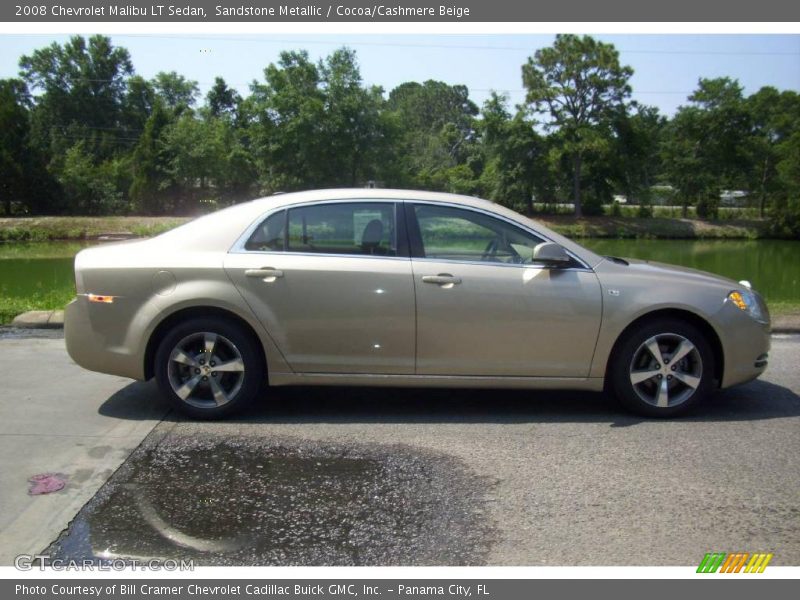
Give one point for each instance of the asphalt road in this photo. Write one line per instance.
(373, 476)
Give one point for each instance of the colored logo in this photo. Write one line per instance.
(735, 562)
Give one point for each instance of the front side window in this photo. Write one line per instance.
(457, 234)
(361, 228)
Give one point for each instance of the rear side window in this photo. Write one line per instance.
(360, 228)
(270, 236)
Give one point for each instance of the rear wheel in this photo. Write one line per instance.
(662, 368)
(209, 367)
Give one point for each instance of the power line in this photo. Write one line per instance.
(261, 40)
(470, 88)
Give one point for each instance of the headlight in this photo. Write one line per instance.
(748, 301)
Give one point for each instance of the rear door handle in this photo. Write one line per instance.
(265, 273)
(442, 279)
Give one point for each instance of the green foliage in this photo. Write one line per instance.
(644, 211)
(435, 137)
(25, 184)
(83, 86)
(580, 84)
(177, 92)
(92, 137)
(88, 187)
(222, 101)
(708, 206)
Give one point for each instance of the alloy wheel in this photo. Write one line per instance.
(666, 370)
(206, 370)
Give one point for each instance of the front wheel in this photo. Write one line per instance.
(208, 367)
(662, 368)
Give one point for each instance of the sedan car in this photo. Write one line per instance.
(403, 288)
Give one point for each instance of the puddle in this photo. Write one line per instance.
(246, 501)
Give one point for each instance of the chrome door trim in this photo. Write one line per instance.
(238, 245)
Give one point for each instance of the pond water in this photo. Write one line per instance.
(773, 266)
(31, 269)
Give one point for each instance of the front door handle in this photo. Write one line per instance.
(444, 280)
(266, 273)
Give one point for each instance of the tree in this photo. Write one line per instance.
(516, 167)
(685, 161)
(434, 136)
(152, 185)
(286, 114)
(83, 86)
(580, 84)
(636, 151)
(15, 127)
(706, 145)
(775, 117)
(355, 128)
(90, 187)
(221, 100)
(175, 90)
(315, 124)
(23, 175)
(137, 105)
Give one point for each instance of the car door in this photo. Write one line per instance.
(332, 286)
(483, 307)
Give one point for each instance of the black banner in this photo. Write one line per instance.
(390, 589)
(399, 11)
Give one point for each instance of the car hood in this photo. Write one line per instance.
(659, 270)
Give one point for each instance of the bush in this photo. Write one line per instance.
(89, 188)
(645, 211)
(708, 206)
(785, 221)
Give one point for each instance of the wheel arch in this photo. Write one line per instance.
(676, 313)
(194, 312)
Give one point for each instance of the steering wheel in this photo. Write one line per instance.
(491, 249)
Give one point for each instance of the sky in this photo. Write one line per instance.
(666, 67)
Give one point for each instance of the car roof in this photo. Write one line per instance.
(368, 193)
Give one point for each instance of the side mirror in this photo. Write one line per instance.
(550, 254)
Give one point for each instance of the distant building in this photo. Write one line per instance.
(737, 198)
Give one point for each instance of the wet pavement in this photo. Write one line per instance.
(22, 333)
(400, 476)
(250, 501)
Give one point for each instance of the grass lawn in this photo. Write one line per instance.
(40, 229)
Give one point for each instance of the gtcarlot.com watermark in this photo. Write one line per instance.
(42, 562)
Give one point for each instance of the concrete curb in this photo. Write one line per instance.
(54, 319)
(39, 319)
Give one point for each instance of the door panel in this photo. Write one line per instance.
(483, 307)
(511, 321)
(333, 314)
(349, 312)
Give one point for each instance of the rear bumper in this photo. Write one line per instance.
(104, 352)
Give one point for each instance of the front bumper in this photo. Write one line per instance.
(746, 344)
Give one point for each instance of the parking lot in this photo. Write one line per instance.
(377, 476)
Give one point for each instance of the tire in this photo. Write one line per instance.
(186, 374)
(674, 387)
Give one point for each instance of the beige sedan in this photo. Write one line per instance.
(403, 288)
